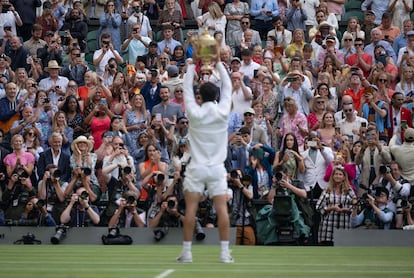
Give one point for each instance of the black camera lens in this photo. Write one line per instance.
(46, 100)
(57, 174)
(160, 178)
(112, 66)
(234, 174)
(384, 169)
(84, 195)
(127, 170)
(40, 203)
(171, 204)
(279, 176)
(87, 171)
(130, 200)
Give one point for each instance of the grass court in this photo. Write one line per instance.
(159, 261)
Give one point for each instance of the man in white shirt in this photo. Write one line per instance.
(208, 148)
(136, 44)
(242, 95)
(248, 65)
(352, 123)
(102, 56)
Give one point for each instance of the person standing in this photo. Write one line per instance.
(208, 139)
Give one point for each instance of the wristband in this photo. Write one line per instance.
(86, 209)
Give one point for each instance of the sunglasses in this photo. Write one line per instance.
(347, 40)
(320, 101)
(184, 123)
(178, 91)
(348, 110)
(135, 29)
(31, 133)
(358, 44)
(248, 114)
(323, 89)
(245, 23)
(383, 80)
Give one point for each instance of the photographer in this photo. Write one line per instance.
(75, 28)
(126, 215)
(241, 217)
(118, 159)
(375, 213)
(79, 213)
(282, 186)
(76, 68)
(398, 187)
(165, 215)
(51, 189)
(117, 187)
(35, 214)
(17, 193)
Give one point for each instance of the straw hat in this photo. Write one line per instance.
(52, 64)
(81, 139)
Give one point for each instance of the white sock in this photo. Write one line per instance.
(224, 246)
(187, 246)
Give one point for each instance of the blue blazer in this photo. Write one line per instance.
(46, 158)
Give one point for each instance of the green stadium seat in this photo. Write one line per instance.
(91, 46)
(352, 5)
(91, 35)
(89, 58)
(357, 13)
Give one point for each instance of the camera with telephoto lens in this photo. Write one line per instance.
(278, 176)
(41, 203)
(183, 168)
(159, 178)
(130, 200)
(86, 171)
(171, 204)
(198, 230)
(127, 170)
(84, 195)
(234, 174)
(384, 169)
(160, 233)
(60, 234)
(113, 232)
(46, 100)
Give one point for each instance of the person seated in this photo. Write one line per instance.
(79, 212)
(375, 212)
(36, 214)
(126, 215)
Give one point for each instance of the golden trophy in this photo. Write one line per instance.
(205, 48)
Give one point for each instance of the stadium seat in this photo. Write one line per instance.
(352, 5)
(92, 35)
(92, 46)
(89, 57)
(357, 13)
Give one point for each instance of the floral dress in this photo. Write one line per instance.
(133, 119)
(45, 120)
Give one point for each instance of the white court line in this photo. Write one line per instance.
(165, 273)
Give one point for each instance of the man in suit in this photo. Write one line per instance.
(55, 156)
(257, 134)
(237, 37)
(398, 115)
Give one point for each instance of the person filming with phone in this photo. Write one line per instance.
(400, 117)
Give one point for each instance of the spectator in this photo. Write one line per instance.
(136, 44)
(378, 8)
(335, 205)
(54, 153)
(10, 18)
(296, 16)
(47, 20)
(353, 28)
(79, 212)
(74, 118)
(399, 116)
(400, 11)
(35, 214)
(173, 80)
(140, 18)
(317, 112)
(404, 153)
(31, 142)
(263, 118)
(27, 12)
(76, 68)
(263, 12)
(401, 40)
(389, 32)
(107, 51)
(171, 16)
(235, 12)
(18, 55)
(242, 95)
(35, 42)
(214, 20)
(76, 29)
(371, 156)
(406, 84)
(376, 110)
(27, 121)
(51, 51)
(295, 47)
(235, 38)
(360, 58)
(151, 90)
(258, 134)
(289, 157)
(376, 36)
(248, 65)
(293, 86)
(377, 213)
(9, 107)
(281, 35)
(109, 22)
(54, 85)
(58, 12)
(168, 44)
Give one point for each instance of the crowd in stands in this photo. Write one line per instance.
(320, 116)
